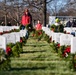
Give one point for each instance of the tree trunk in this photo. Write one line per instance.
(5, 13)
(44, 13)
(5, 19)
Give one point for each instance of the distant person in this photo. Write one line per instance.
(38, 29)
(9, 24)
(58, 26)
(68, 24)
(26, 20)
(61, 28)
(38, 26)
(74, 23)
(3, 24)
(57, 23)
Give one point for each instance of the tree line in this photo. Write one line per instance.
(12, 10)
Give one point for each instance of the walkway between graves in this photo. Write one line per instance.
(38, 58)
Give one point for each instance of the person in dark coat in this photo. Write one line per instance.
(3, 24)
(68, 24)
(74, 23)
(9, 24)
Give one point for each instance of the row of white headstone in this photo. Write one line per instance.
(11, 38)
(8, 28)
(63, 39)
(70, 29)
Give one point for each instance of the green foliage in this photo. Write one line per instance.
(61, 50)
(15, 51)
(59, 28)
(27, 26)
(36, 34)
(10, 45)
(72, 63)
(20, 47)
(4, 61)
(39, 34)
(54, 46)
(24, 40)
(16, 48)
(46, 38)
(16, 30)
(39, 60)
(53, 26)
(20, 26)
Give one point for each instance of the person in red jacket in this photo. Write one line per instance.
(26, 19)
(38, 29)
(38, 26)
(26, 22)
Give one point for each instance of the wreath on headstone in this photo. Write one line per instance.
(4, 60)
(57, 27)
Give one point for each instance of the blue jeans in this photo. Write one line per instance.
(22, 27)
(27, 35)
(73, 33)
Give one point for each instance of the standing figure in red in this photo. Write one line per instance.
(38, 29)
(26, 20)
(38, 26)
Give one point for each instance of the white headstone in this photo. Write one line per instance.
(17, 36)
(68, 29)
(43, 28)
(47, 30)
(3, 42)
(15, 27)
(65, 39)
(4, 28)
(50, 33)
(57, 37)
(8, 28)
(23, 33)
(51, 20)
(11, 38)
(73, 45)
(53, 38)
(1, 29)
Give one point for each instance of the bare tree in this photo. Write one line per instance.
(69, 9)
(13, 9)
(40, 5)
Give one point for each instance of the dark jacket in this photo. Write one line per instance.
(68, 24)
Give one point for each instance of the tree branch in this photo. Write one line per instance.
(49, 1)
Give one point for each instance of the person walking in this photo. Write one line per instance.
(26, 20)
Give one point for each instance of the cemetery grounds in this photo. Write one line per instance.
(38, 58)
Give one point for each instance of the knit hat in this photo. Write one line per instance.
(57, 20)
